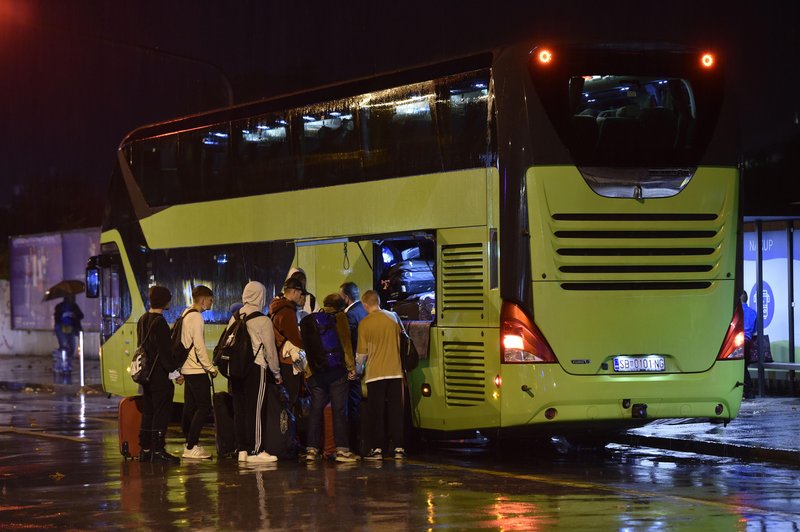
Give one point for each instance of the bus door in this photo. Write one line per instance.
(105, 279)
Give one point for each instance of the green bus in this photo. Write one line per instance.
(560, 227)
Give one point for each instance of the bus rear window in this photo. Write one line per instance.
(645, 109)
(631, 120)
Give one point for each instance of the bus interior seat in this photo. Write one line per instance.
(618, 140)
(585, 132)
(659, 130)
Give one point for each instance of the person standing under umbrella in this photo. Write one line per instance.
(67, 325)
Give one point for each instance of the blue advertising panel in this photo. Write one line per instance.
(775, 293)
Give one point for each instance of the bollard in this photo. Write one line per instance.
(80, 355)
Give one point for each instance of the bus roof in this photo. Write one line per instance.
(311, 96)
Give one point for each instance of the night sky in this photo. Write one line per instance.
(77, 75)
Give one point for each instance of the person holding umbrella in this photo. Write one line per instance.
(67, 318)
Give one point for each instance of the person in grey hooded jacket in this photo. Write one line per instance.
(250, 394)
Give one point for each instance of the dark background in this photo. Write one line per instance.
(77, 75)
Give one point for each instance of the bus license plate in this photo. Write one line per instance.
(647, 363)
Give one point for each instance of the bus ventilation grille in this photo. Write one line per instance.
(628, 249)
(464, 373)
(462, 277)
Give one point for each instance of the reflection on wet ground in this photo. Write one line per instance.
(60, 468)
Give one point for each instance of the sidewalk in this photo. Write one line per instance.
(35, 372)
(768, 428)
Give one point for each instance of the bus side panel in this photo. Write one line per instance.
(461, 371)
(115, 361)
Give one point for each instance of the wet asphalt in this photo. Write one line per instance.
(60, 468)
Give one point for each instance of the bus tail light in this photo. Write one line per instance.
(521, 342)
(707, 60)
(733, 344)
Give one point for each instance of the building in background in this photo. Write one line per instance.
(37, 262)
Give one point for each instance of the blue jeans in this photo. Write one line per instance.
(335, 392)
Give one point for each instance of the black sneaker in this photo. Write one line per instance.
(399, 453)
(374, 454)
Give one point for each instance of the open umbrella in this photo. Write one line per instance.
(64, 288)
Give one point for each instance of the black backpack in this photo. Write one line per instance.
(321, 341)
(179, 352)
(234, 352)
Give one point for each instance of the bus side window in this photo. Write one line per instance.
(260, 156)
(463, 119)
(330, 150)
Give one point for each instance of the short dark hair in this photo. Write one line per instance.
(350, 289)
(334, 301)
(201, 291)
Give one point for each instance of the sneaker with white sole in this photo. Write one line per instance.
(345, 456)
(399, 453)
(261, 458)
(312, 455)
(374, 454)
(242, 457)
(196, 453)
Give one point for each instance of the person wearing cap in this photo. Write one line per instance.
(153, 329)
(283, 311)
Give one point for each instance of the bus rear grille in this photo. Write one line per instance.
(699, 285)
(627, 217)
(462, 277)
(464, 373)
(628, 249)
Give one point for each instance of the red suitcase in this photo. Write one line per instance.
(329, 444)
(130, 421)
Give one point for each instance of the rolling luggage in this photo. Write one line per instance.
(130, 422)
(328, 441)
(281, 431)
(225, 436)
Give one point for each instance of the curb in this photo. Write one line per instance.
(727, 450)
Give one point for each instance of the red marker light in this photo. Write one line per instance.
(707, 60)
(545, 56)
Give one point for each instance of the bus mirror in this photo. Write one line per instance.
(92, 282)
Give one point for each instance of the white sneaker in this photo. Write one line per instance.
(312, 455)
(243, 456)
(196, 453)
(343, 456)
(261, 458)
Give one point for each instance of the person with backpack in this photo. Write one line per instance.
(283, 311)
(331, 365)
(152, 330)
(379, 349)
(189, 343)
(250, 391)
